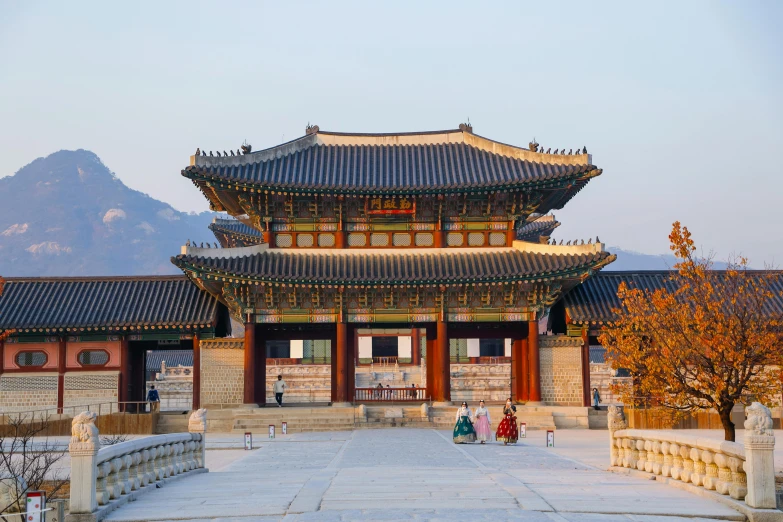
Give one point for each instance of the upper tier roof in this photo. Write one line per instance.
(592, 302)
(236, 230)
(428, 162)
(533, 230)
(105, 303)
(523, 262)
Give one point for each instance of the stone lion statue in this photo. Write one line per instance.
(83, 428)
(11, 494)
(198, 419)
(759, 420)
(616, 418)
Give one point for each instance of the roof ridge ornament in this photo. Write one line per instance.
(534, 145)
(311, 129)
(466, 127)
(246, 147)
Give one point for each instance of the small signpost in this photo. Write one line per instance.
(271, 431)
(285, 428)
(35, 505)
(248, 440)
(522, 430)
(550, 439)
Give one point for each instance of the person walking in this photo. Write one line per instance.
(463, 429)
(596, 398)
(153, 398)
(507, 429)
(483, 424)
(279, 389)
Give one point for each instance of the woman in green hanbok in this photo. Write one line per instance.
(463, 430)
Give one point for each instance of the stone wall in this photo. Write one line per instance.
(561, 370)
(28, 391)
(603, 377)
(473, 382)
(222, 371)
(90, 388)
(305, 383)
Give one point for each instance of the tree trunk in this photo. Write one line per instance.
(725, 419)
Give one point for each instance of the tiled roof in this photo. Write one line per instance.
(413, 267)
(104, 303)
(172, 357)
(401, 163)
(592, 301)
(235, 230)
(543, 226)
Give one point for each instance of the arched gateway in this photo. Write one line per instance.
(440, 233)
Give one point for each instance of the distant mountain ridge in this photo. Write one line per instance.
(68, 215)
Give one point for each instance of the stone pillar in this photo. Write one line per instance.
(197, 423)
(61, 373)
(83, 450)
(534, 380)
(441, 373)
(586, 388)
(125, 378)
(196, 373)
(517, 372)
(759, 457)
(250, 362)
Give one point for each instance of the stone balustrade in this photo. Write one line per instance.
(104, 478)
(742, 471)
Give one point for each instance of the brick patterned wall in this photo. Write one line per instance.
(561, 370)
(90, 388)
(25, 392)
(473, 382)
(222, 371)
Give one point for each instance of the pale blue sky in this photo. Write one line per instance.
(679, 102)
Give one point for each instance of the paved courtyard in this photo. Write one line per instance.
(413, 474)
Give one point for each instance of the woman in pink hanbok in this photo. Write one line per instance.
(483, 423)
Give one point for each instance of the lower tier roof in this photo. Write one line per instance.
(106, 304)
(409, 267)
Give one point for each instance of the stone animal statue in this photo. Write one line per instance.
(12, 494)
(198, 420)
(759, 420)
(83, 428)
(616, 418)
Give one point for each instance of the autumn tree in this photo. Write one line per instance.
(707, 340)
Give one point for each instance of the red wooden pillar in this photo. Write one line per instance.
(441, 373)
(415, 347)
(429, 355)
(61, 373)
(517, 370)
(524, 384)
(341, 363)
(585, 368)
(268, 235)
(535, 362)
(250, 362)
(260, 372)
(125, 379)
(196, 373)
(511, 234)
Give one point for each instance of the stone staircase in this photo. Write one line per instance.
(298, 420)
(392, 416)
(172, 422)
(403, 377)
(444, 417)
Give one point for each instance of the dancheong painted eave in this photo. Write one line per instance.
(410, 268)
(440, 162)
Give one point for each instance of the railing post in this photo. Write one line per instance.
(616, 421)
(83, 450)
(759, 457)
(197, 424)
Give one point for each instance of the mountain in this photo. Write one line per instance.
(69, 215)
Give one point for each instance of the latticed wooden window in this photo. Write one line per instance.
(31, 358)
(92, 357)
(326, 240)
(476, 239)
(283, 240)
(458, 349)
(357, 239)
(497, 239)
(424, 239)
(379, 240)
(454, 239)
(317, 351)
(304, 240)
(401, 240)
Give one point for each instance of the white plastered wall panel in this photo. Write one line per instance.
(365, 347)
(297, 349)
(474, 347)
(404, 346)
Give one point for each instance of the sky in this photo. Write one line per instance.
(680, 103)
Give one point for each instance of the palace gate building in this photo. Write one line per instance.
(341, 255)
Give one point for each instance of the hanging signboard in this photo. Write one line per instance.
(248, 440)
(550, 439)
(522, 430)
(285, 428)
(35, 505)
(271, 431)
(393, 205)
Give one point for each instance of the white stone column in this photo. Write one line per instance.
(759, 457)
(83, 450)
(198, 424)
(616, 421)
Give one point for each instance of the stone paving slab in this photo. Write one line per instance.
(414, 474)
